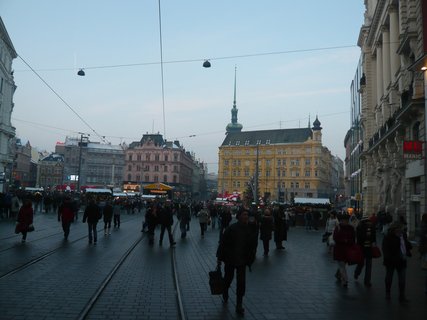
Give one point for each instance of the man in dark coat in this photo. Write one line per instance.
(396, 249)
(280, 230)
(66, 215)
(166, 222)
(92, 214)
(366, 238)
(236, 250)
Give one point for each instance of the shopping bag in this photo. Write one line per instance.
(376, 252)
(216, 281)
(355, 255)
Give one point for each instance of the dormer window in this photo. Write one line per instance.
(246, 142)
(267, 141)
(238, 143)
(258, 142)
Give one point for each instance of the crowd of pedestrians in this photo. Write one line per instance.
(351, 240)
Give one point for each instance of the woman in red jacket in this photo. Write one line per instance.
(344, 236)
(25, 218)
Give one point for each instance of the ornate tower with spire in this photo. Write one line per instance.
(234, 126)
(317, 130)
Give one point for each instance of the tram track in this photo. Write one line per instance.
(85, 313)
(46, 254)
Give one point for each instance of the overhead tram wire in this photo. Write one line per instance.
(65, 102)
(201, 60)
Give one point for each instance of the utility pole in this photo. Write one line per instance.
(257, 174)
(84, 139)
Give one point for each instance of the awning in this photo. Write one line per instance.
(158, 186)
(312, 200)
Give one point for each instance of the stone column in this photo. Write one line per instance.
(394, 43)
(379, 74)
(386, 58)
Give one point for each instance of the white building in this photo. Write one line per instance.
(7, 89)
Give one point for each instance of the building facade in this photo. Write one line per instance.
(353, 143)
(22, 169)
(154, 160)
(279, 164)
(89, 163)
(50, 171)
(7, 90)
(393, 108)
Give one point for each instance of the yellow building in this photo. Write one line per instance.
(291, 162)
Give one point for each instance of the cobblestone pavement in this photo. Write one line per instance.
(297, 283)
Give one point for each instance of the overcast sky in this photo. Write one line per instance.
(284, 71)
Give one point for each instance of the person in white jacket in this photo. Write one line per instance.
(330, 225)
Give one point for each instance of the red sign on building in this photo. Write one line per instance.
(412, 149)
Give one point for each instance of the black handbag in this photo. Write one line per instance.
(216, 281)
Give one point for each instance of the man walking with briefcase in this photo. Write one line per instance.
(237, 250)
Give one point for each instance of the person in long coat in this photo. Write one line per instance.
(422, 248)
(165, 216)
(151, 220)
(344, 236)
(25, 219)
(66, 215)
(266, 229)
(204, 217)
(92, 214)
(280, 232)
(184, 216)
(237, 250)
(108, 216)
(396, 249)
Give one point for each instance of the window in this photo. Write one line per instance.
(246, 142)
(147, 157)
(165, 178)
(165, 169)
(268, 162)
(156, 168)
(166, 157)
(130, 157)
(307, 161)
(267, 141)
(296, 185)
(278, 162)
(138, 178)
(292, 184)
(129, 168)
(267, 173)
(307, 173)
(147, 178)
(284, 173)
(138, 168)
(225, 162)
(147, 168)
(175, 179)
(157, 157)
(237, 143)
(416, 131)
(316, 173)
(156, 178)
(175, 168)
(138, 157)
(175, 157)
(129, 177)
(307, 185)
(258, 142)
(246, 172)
